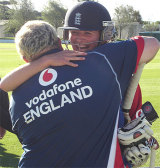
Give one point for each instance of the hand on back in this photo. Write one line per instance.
(65, 58)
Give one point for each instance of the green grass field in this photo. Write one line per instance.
(10, 148)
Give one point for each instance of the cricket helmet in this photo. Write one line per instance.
(86, 16)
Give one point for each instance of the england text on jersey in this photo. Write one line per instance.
(38, 106)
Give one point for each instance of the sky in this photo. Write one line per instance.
(149, 9)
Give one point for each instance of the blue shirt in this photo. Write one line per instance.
(66, 116)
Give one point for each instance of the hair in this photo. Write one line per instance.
(34, 38)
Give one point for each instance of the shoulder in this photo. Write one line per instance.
(117, 46)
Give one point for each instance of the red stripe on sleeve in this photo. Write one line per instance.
(140, 47)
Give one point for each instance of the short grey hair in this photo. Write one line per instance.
(34, 37)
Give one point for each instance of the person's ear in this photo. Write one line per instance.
(24, 58)
(59, 43)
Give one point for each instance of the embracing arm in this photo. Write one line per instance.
(18, 76)
(151, 47)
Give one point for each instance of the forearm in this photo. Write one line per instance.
(18, 76)
(15, 78)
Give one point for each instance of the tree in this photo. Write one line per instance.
(124, 15)
(4, 10)
(151, 26)
(21, 12)
(54, 13)
(137, 17)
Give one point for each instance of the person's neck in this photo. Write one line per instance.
(47, 51)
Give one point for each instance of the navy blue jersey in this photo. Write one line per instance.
(66, 117)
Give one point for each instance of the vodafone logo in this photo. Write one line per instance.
(47, 77)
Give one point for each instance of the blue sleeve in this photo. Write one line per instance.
(123, 57)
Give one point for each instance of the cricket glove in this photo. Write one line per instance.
(137, 155)
(137, 131)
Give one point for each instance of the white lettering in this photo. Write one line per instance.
(61, 88)
(73, 95)
(46, 107)
(36, 113)
(52, 105)
(55, 89)
(85, 93)
(64, 100)
(50, 93)
(35, 100)
(29, 104)
(42, 96)
(77, 82)
(71, 83)
(27, 117)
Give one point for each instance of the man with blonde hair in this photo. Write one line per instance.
(32, 40)
(35, 39)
